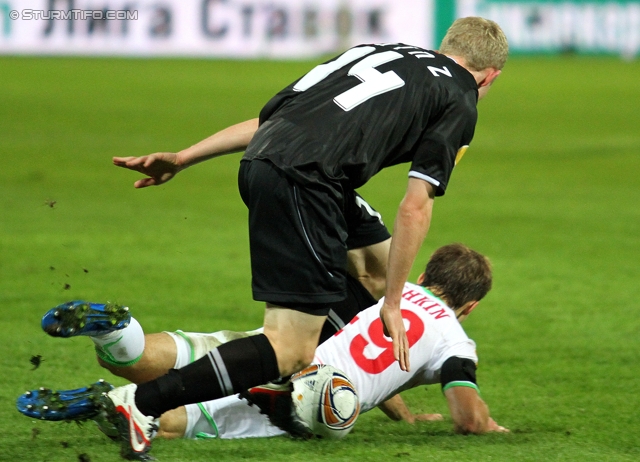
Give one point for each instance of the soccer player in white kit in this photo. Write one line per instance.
(440, 352)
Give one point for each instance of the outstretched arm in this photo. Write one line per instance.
(160, 167)
(396, 409)
(469, 412)
(410, 229)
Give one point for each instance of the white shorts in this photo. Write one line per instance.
(229, 417)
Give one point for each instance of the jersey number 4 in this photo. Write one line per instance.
(373, 82)
(385, 358)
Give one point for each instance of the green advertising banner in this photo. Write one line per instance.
(552, 26)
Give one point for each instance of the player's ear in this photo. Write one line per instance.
(492, 74)
(471, 306)
(420, 279)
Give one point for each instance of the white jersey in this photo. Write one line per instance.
(359, 349)
(363, 352)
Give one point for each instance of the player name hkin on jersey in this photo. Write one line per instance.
(425, 301)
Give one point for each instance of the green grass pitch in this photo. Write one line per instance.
(548, 190)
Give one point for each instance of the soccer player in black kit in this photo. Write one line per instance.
(314, 144)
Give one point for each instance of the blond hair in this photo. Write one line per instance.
(479, 41)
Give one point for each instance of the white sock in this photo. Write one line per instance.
(122, 347)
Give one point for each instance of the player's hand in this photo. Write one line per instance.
(159, 167)
(393, 326)
(494, 427)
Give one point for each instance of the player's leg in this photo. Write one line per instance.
(229, 417)
(295, 265)
(120, 343)
(369, 265)
(225, 418)
(237, 365)
(293, 335)
(298, 261)
(158, 357)
(118, 337)
(173, 424)
(369, 242)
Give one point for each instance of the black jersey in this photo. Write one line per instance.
(371, 107)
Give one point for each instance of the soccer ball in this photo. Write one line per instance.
(325, 400)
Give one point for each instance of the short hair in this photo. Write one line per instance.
(479, 41)
(458, 274)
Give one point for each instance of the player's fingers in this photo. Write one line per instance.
(121, 161)
(407, 363)
(132, 163)
(137, 162)
(400, 359)
(396, 350)
(405, 350)
(144, 182)
(148, 161)
(403, 356)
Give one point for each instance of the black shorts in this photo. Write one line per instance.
(299, 237)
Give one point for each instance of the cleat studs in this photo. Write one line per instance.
(29, 406)
(126, 308)
(101, 381)
(126, 324)
(56, 314)
(28, 394)
(58, 329)
(45, 408)
(71, 330)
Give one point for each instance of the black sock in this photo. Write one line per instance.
(341, 313)
(231, 368)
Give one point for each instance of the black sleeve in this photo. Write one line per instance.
(436, 153)
(458, 372)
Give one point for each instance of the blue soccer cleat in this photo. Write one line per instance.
(84, 318)
(113, 409)
(71, 405)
